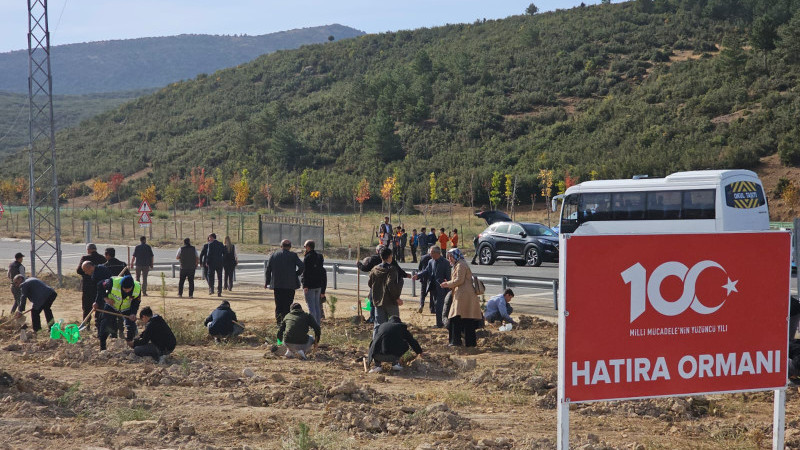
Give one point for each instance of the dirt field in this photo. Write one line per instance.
(242, 395)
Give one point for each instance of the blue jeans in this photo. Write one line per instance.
(313, 303)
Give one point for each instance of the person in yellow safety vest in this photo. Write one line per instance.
(122, 296)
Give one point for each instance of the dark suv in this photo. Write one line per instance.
(526, 243)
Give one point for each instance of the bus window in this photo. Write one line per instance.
(628, 205)
(569, 214)
(663, 205)
(596, 207)
(744, 195)
(699, 204)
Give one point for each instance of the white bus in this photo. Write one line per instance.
(684, 202)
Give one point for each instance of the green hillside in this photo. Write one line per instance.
(606, 91)
(68, 111)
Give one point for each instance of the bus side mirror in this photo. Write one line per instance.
(555, 200)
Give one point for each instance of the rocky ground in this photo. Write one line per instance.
(242, 394)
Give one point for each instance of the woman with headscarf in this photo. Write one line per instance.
(229, 262)
(465, 311)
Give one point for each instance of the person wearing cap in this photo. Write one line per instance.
(157, 340)
(465, 311)
(89, 287)
(392, 340)
(14, 269)
(283, 275)
(187, 255)
(294, 332)
(222, 322)
(143, 261)
(42, 297)
(122, 295)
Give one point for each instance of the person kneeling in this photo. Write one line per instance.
(498, 308)
(222, 322)
(157, 339)
(391, 342)
(294, 332)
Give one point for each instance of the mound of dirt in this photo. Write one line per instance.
(436, 417)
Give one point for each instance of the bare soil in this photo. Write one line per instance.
(241, 394)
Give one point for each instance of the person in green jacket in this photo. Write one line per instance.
(294, 332)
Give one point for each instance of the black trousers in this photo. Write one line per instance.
(428, 290)
(413, 253)
(211, 272)
(283, 300)
(110, 325)
(457, 326)
(229, 269)
(147, 350)
(186, 274)
(87, 300)
(36, 318)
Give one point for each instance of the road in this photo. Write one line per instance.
(538, 301)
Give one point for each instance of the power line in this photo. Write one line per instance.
(63, 7)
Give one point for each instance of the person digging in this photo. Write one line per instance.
(122, 296)
(391, 342)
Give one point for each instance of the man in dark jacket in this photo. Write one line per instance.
(366, 265)
(215, 258)
(112, 263)
(88, 287)
(222, 322)
(203, 254)
(283, 271)
(422, 242)
(294, 332)
(42, 297)
(391, 341)
(143, 261)
(437, 271)
(98, 274)
(157, 339)
(424, 281)
(314, 280)
(14, 269)
(187, 255)
(385, 282)
(120, 295)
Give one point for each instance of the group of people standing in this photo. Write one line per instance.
(397, 239)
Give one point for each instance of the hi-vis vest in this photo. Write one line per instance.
(121, 304)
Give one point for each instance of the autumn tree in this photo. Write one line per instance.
(219, 192)
(509, 193)
(387, 191)
(546, 182)
(114, 183)
(148, 195)
(241, 189)
(361, 195)
(172, 195)
(203, 185)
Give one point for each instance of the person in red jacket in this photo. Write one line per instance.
(443, 239)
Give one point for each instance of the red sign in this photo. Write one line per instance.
(144, 208)
(2, 210)
(657, 315)
(145, 219)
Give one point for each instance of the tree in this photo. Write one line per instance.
(531, 9)
(266, 192)
(763, 36)
(791, 194)
(789, 42)
(383, 145)
(509, 192)
(219, 193)
(172, 195)
(331, 38)
(546, 181)
(241, 189)
(100, 191)
(303, 187)
(494, 193)
(148, 195)
(203, 186)
(114, 183)
(386, 192)
(362, 195)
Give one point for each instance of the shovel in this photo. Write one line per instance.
(13, 318)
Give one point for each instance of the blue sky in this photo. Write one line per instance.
(74, 21)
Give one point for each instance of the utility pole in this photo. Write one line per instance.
(43, 208)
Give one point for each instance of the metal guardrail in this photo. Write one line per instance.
(336, 269)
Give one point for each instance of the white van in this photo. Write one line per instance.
(684, 202)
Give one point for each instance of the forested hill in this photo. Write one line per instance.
(124, 65)
(607, 91)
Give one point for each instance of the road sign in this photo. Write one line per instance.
(2, 210)
(145, 207)
(658, 315)
(145, 219)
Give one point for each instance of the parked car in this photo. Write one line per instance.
(525, 243)
(493, 216)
